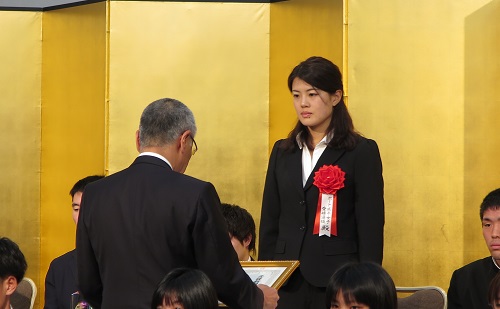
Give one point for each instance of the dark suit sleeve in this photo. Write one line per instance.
(50, 290)
(217, 258)
(89, 279)
(369, 202)
(270, 213)
(453, 293)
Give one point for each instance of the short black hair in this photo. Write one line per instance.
(80, 185)
(367, 283)
(12, 261)
(186, 286)
(492, 200)
(240, 223)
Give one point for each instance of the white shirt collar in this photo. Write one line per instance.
(495, 262)
(325, 140)
(156, 155)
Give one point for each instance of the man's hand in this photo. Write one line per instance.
(270, 296)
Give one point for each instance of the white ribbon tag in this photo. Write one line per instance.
(325, 220)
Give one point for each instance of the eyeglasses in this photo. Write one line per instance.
(194, 149)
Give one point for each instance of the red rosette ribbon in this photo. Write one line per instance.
(329, 179)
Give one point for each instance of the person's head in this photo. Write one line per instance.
(76, 193)
(241, 229)
(185, 288)
(365, 285)
(167, 127)
(317, 89)
(12, 269)
(489, 212)
(494, 292)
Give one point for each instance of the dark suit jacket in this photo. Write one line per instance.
(60, 281)
(469, 285)
(289, 209)
(138, 224)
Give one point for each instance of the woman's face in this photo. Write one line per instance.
(314, 107)
(339, 303)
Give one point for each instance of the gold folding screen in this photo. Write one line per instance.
(20, 125)
(420, 81)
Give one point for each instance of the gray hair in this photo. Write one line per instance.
(163, 121)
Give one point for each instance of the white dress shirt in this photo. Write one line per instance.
(308, 161)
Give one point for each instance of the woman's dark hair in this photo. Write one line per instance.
(323, 74)
(189, 287)
(494, 290)
(367, 283)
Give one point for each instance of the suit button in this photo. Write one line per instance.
(302, 228)
(302, 203)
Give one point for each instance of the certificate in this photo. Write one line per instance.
(270, 273)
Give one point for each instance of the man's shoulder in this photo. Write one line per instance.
(67, 256)
(481, 264)
(137, 172)
(171, 179)
(64, 259)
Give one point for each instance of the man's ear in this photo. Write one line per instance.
(137, 141)
(247, 241)
(183, 141)
(11, 283)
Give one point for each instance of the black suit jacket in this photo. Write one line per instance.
(60, 281)
(289, 209)
(138, 224)
(469, 285)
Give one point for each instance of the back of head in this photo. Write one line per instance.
(80, 185)
(240, 223)
(367, 283)
(492, 200)
(163, 121)
(12, 261)
(188, 287)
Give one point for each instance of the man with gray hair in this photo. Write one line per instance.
(138, 224)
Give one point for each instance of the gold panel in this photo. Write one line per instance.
(73, 121)
(214, 58)
(422, 83)
(299, 29)
(20, 74)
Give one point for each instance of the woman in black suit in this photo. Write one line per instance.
(323, 198)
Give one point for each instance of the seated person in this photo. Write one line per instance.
(494, 292)
(241, 229)
(361, 285)
(469, 284)
(60, 281)
(185, 288)
(12, 269)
